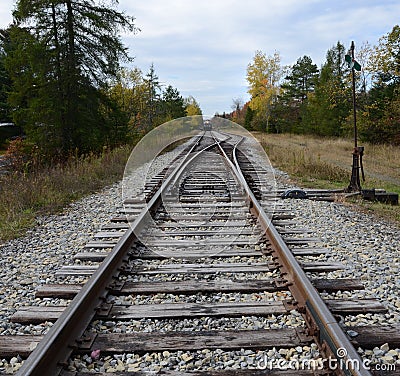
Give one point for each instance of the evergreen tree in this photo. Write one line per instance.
(64, 51)
(330, 104)
(5, 79)
(153, 88)
(299, 83)
(301, 79)
(248, 119)
(172, 102)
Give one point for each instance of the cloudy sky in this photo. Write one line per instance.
(202, 47)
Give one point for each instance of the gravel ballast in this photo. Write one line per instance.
(369, 247)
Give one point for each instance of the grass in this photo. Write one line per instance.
(314, 162)
(24, 196)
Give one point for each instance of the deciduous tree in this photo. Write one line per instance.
(263, 76)
(192, 108)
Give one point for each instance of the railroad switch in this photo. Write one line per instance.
(355, 185)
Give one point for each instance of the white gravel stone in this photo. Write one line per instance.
(367, 246)
(32, 260)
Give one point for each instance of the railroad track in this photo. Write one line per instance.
(207, 275)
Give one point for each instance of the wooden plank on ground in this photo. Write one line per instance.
(201, 242)
(68, 291)
(115, 226)
(22, 345)
(193, 341)
(350, 307)
(134, 201)
(341, 284)
(309, 251)
(62, 291)
(294, 231)
(37, 315)
(101, 244)
(179, 310)
(188, 225)
(178, 232)
(109, 234)
(82, 270)
(214, 209)
(91, 256)
(298, 241)
(201, 205)
(321, 267)
(193, 286)
(205, 268)
(203, 218)
(375, 336)
(188, 253)
(284, 223)
(282, 216)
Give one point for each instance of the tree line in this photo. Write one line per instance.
(303, 98)
(62, 80)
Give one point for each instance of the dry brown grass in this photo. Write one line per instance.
(326, 163)
(23, 196)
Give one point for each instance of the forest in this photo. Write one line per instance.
(63, 83)
(305, 99)
(62, 80)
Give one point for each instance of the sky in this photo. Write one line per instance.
(203, 47)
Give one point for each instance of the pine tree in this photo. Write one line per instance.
(71, 49)
(5, 79)
(329, 106)
(172, 103)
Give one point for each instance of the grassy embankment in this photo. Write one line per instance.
(25, 196)
(326, 163)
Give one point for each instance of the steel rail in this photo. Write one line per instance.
(60, 341)
(330, 335)
(52, 353)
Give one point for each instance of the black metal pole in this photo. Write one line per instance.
(354, 185)
(354, 95)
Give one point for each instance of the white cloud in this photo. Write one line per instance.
(203, 47)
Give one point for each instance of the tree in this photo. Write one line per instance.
(153, 88)
(301, 80)
(173, 104)
(386, 58)
(263, 76)
(299, 83)
(192, 108)
(5, 79)
(329, 106)
(380, 118)
(238, 113)
(127, 90)
(71, 48)
(248, 119)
